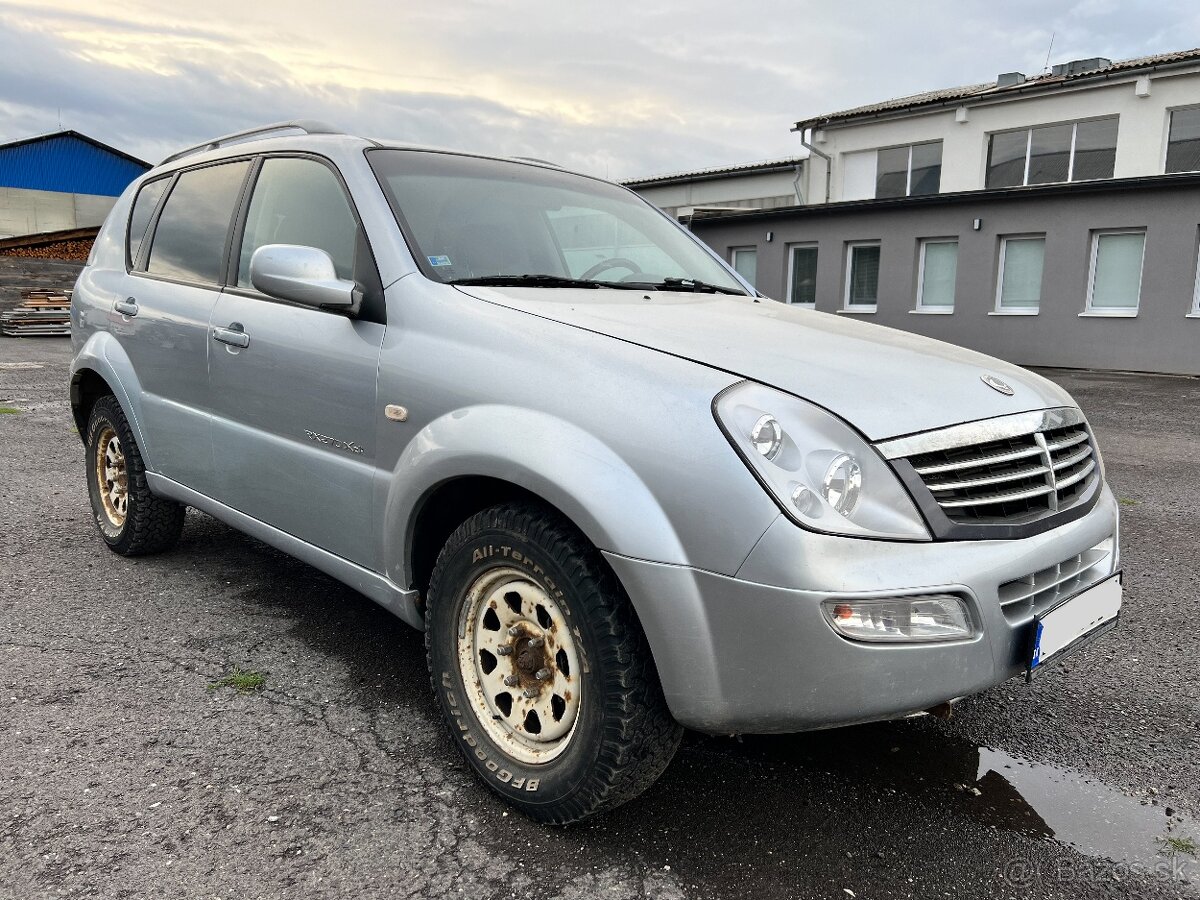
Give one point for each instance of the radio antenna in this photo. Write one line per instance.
(1046, 68)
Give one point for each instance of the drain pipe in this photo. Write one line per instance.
(796, 184)
(825, 156)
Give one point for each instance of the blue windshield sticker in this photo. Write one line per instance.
(438, 260)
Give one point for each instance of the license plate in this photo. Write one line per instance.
(1074, 622)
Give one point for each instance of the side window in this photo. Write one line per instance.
(299, 201)
(143, 210)
(189, 240)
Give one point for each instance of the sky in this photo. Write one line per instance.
(617, 89)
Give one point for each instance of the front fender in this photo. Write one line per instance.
(558, 461)
(103, 354)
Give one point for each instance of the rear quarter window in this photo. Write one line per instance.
(189, 240)
(143, 211)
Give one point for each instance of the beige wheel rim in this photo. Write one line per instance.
(112, 477)
(520, 665)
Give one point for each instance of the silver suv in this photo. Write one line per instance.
(527, 412)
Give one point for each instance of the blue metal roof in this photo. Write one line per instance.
(68, 162)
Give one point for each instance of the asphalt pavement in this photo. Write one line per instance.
(132, 766)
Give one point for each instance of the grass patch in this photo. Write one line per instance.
(242, 682)
(1175, 845)
(1128, 501)
(9, 410)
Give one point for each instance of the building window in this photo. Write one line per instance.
(1183, 141)
(1075, 151)
(907, 171)
(862, 276)
(802, 275)
(745, 263)
(1196, 291)
(1020, 283)
(936, 274)
(1115, 281)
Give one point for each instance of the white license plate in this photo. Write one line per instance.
(1075, 622)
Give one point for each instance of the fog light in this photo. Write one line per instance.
(936, 617)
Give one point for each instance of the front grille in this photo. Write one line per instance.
(1011, 480)
(1035, 593)
(1014, 479)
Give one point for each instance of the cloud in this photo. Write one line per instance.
(620, 90)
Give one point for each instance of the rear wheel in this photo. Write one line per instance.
(541, 668)
(131, 520)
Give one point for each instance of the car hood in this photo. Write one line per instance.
(883, 381)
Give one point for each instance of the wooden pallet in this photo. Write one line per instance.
(41, 313)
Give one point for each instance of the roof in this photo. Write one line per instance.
(69, 162)
(751, 168)
(1044, 82)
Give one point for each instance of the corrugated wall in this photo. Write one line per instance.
(67, 164)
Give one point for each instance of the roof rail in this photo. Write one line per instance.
(308, 126)
(534, 159)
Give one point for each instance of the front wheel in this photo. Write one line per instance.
(541, 668)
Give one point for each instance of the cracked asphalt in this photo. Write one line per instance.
(125, 773)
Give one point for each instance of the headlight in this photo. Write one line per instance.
(819, 470)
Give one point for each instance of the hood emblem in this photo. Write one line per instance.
(996, 384)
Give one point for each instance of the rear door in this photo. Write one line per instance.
(177, 251)
(294, 408)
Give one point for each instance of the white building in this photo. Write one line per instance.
(758, 185)
(1084, 120)
(1051, 220)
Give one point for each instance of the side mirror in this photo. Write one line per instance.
(300, 274)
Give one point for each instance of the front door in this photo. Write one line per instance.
(293, 388)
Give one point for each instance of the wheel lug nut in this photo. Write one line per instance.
(514, 630)
(511, 681)
(504, 651)
(537, 643)
(529, 693)
(542, 674)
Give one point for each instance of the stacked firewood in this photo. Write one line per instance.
(40, 313)
(73, 250)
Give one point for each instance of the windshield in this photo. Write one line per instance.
(492, 221)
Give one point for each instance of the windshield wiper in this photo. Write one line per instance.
(689, 284)
(541, 280)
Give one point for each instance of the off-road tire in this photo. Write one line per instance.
(150, 524)
(624, 735)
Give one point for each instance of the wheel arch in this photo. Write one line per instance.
(87, 386)
(474, 458)
(446, 506)
(101, 367)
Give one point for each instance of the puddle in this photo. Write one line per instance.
(1084, 814)
(1014, 794)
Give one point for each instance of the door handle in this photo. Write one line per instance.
(235, 335)
(127, 307)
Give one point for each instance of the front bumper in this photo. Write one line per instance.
(754, 654)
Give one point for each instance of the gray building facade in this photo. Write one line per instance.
(1099, 274)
